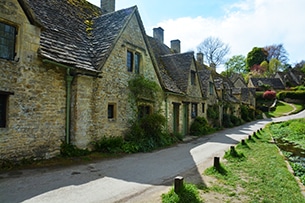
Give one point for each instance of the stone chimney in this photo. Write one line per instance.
(107, 6)
(159, 34)
(175, 45)
(200, 57)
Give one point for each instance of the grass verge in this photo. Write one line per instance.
(261, 176)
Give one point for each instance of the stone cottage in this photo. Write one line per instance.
(181, 84)
(65, 67)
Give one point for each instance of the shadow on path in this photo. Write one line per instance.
(129, 174)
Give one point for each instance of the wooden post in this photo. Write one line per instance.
(217, 163)
(178, 184)
(243, 142)
(250, 138)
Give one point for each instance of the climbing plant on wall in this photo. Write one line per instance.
(144, 89)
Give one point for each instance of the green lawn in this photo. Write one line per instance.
(283, 108)
(254, 172)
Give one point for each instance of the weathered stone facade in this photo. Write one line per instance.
(92, 95)
(36, 104)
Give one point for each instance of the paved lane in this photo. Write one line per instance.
(134, 178)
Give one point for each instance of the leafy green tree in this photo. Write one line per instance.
(275, 65)
(255, 57)
(236, 64)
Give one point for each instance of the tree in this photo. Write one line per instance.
(214, 50)
(255, 57)
(274, 66)
(277, 51)
(236, 64)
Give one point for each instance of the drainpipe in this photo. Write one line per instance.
(166, 111)
(69, 79)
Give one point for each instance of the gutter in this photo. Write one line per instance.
(69, 78)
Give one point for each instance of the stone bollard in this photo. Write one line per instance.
(217, 163)
(178, 184)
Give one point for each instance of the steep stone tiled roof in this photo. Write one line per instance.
(74, 32)
(159, 49)
(178, 67)
(275, 83)
(106, 30)
(204, 76)
(222, 82)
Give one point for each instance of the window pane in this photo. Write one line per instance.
(110, 111)
(193, 75)
(129, 61)
(137, 62)
(7, 41)
(3, 99)
(194, 110)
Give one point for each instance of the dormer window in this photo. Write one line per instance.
(133, 62)
(7, 41)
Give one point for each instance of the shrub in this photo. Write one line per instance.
(227, 121)
(269, 94)
(200, 126)
(69, 150)
(230, 121)
(147, 134)
(109, 144)
(298, 95)
(213, 112)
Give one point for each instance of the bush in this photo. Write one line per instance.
(298, 95)
(227, 121)
(230, 121)
(147, 134)
(269, 94)
(200, 127)
(109, 144)
(213, 112)
(69, 150)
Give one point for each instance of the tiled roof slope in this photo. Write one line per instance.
(178, 68)
(73, 29)
(159, 49)
(106, 30)
(276, 83)
(223, 82)
(204, 76)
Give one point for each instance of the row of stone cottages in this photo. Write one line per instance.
(65, 67)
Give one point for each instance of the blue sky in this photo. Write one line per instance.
(243, 24)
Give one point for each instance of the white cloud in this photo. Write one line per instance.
(246, 25)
